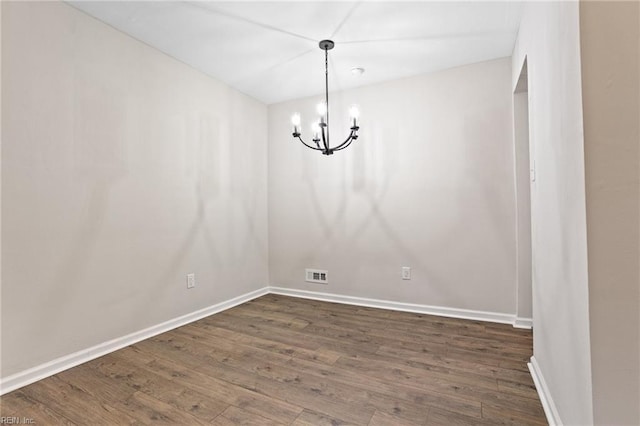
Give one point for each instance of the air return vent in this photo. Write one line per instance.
(317, 276)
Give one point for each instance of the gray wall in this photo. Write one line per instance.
(549, 37)
(429, 184)
(610, 48)
(122, 171)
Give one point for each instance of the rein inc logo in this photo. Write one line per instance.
(16, 421)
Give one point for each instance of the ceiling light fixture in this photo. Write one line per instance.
(357, 71)
(320, 129)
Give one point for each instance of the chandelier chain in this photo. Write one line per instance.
(326, 90)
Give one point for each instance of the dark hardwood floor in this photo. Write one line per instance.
(284, 361)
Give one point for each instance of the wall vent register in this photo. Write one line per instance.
(317, 276)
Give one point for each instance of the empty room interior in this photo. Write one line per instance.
(310, 213)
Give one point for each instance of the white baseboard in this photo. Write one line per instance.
(520, 322)
(50, 368)
(397, 306)
(550, 409)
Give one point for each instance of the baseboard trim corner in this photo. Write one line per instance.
(550, 409)
(396, 306)
(520, 322)
(39, 372)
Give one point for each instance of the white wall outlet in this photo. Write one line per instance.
(316, 276)
(191, 280)
(406, 273)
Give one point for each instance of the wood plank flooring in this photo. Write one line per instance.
(284, 361)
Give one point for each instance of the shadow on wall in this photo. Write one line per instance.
(365, 175)
(432, 194)
(98, 163)
(102, 165)
(493, 204)
(203, 163)
(248, 181)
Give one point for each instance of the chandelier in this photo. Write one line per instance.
(320, 129)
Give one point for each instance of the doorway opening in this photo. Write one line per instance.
(524, 178)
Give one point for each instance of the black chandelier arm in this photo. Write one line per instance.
(352, 136)
(344, 145)
(297, 135)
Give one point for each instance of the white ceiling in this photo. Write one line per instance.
(269, 50)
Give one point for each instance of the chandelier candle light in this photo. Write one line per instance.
(320, 129)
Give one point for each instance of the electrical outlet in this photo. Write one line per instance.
(406, 273)
(191, 280)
